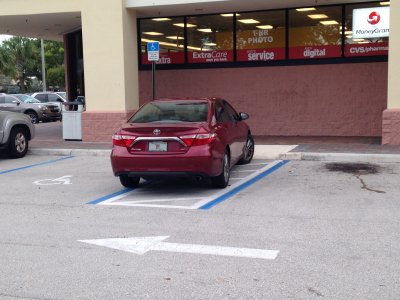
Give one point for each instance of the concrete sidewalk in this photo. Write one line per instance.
(48, 141)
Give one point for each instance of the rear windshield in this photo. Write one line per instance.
(171, 112)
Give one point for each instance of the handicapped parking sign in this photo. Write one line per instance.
(153, 51)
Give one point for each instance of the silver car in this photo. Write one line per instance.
(36, 111)
(16, 130)
(54, 113)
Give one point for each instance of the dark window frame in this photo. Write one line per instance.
(286, 62)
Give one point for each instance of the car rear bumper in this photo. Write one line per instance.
(201, 161)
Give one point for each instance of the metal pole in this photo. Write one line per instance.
(43, 66)
(153, 78)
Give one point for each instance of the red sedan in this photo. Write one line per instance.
(192, 137)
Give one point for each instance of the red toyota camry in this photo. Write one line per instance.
(191, 137)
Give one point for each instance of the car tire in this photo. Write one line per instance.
(248, 151)
(34, 117)
(129, 182)
(222, 180)
(18, 143)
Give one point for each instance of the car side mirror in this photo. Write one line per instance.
(243, 116)
(59, 100)
(16, 102)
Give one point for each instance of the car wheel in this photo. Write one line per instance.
(129, 182)
(222, 180)
(248, 151)
(34, 117)
(18, 143)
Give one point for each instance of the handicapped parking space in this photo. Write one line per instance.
(69, 180)
(65, 180)
(186, 194)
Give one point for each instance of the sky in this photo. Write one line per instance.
(4, 37)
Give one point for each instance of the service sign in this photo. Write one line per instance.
(371, 22)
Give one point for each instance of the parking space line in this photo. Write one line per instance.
(36, 165)
(167, 200)
(117, 195)
(114, 196)
(236, 188)
(135, 204)
(203, 203)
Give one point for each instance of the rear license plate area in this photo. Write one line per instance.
(158, 146)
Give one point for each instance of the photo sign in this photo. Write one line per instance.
(371, 22)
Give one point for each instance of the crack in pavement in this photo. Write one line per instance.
(365, 187)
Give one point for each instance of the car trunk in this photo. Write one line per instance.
(159, 139)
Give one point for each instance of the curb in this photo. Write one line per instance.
(351, 157)
(69, 152)
(306, 156)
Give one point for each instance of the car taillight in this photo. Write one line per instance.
(199, 139)
(123, 140)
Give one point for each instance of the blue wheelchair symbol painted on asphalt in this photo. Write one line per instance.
(153, 46)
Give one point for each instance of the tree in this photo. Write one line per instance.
(18, 59)
(55, 76)
(53, 53)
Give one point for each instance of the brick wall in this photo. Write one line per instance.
(100, 126)
(391, 127)
(308, 100)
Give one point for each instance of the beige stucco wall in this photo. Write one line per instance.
(32, 7)
(394, 56)
(110, 60)
(109, 46)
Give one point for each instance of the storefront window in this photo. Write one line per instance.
(371, 18)
(315, 32)
(260, 36)
(168, 34)
(210, 38)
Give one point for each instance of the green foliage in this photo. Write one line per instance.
(55, 76)
(53, 53)
(17, 59)
(20, 59)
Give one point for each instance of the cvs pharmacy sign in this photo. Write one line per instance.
(371, 22)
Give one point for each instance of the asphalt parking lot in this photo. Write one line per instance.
(282, 230)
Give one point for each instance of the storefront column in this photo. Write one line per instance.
(391, 116)
(110, 64)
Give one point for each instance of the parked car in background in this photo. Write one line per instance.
(53, 113)
(62, 95)
(46, 97)
(196, 137)
(16, 130)
(36, 111)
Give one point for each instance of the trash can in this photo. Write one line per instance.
(72, 120)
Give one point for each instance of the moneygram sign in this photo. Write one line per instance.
(371, 22)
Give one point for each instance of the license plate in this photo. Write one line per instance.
(158, 146)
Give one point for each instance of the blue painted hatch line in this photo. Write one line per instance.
(104, 198)
(242, 186)
(36, 165)
(121, 192)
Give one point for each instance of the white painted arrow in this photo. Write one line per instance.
(141, 245)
